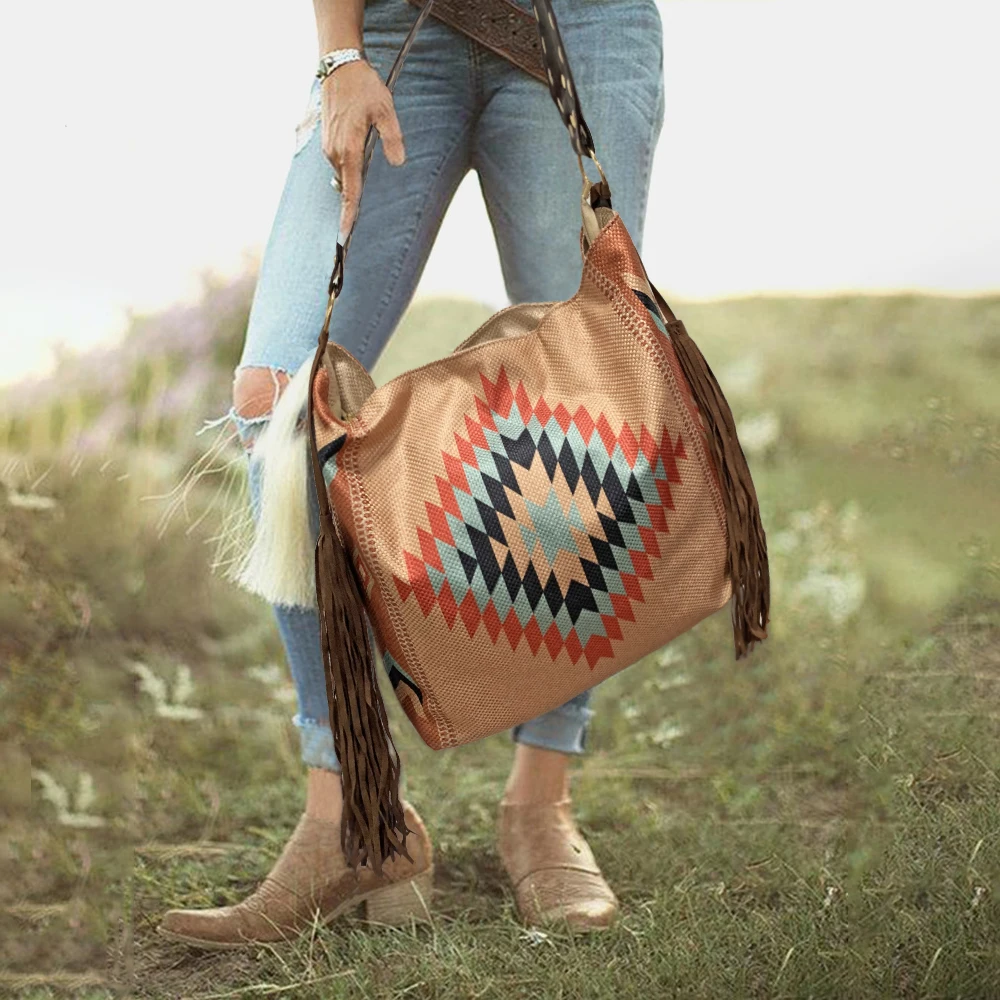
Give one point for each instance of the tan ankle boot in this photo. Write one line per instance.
(312, 878)
(552, 868)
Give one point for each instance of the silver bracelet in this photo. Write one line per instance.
(338, 57)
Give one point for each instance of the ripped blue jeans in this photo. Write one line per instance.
(461, 107)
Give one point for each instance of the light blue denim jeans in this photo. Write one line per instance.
(461, 107)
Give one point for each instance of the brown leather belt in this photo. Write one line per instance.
(500, 25)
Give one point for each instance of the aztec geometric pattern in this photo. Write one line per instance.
(546, 525)
(397, 675)
(654, 310)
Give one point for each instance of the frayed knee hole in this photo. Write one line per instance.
(256, 390)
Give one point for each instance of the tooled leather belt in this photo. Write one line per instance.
(500, 25)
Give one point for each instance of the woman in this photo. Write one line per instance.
(456, 106)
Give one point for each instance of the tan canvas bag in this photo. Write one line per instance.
(560, 496)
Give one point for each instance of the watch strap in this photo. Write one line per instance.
(338, 57)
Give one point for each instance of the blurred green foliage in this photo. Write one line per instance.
(819, 820)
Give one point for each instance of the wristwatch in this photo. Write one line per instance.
(338, 57)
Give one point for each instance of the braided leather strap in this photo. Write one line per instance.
(561, 85)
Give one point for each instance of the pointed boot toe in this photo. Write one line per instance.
(553, 871)
(311, 881)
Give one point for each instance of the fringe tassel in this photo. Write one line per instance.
(373, 828)
(746, 561)
(276, 565)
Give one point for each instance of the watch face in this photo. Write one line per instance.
(332, 60)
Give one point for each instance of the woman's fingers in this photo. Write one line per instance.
(352, 103)
(349, 172)
(390, 133)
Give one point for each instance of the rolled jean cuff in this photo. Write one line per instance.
(317, 743)
(563, 729)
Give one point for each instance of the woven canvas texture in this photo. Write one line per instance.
(533, 513)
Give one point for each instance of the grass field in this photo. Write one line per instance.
(819, 821)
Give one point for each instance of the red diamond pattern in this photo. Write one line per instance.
(501, 398)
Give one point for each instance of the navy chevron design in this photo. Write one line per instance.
(466, 564)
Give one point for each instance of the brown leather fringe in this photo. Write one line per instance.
(373, 828)
(746, 560)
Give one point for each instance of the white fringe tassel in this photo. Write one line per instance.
(279, 566)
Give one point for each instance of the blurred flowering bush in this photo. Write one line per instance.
(816, 566)
(172, 371)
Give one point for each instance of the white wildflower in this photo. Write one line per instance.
(156, 688)
(30, 501)
(85, 794)
(270, 674)
(743, 377)
(850, 518)
(669, 681)
(183, 686)
(59, 797)
(149, 683)
(669, 656)
(827, 568)
(534, 937)
(840, 595)
(758, 434)
(803, 520)
(665, 733)
(243, 713)
(275, 677)
(783, 542)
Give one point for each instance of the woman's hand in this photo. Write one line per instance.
(355, 97)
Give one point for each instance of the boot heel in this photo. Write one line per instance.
(398, 904)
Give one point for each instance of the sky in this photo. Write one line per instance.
(808, 146)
